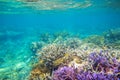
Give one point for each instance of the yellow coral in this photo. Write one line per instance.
(68, 59)
(76, 62)
(40, 73)
(41, 61)
(61, 60)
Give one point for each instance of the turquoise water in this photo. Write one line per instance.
(24, 21)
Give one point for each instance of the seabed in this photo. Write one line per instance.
(63, 56)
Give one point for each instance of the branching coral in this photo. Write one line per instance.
(64, 52)
(35, 46)
(102, 62)
(72, 59)
(96, 76)
(71, 73)
(65, 73)
(102, 68)
(109, 39)
(95, 39)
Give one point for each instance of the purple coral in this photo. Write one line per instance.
(65, 73)
(69, 73)
(101, 63)
(102, 68)
(89, 75)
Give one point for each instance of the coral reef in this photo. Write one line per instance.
(65, 73)
(70, 52)
(104, 62)
(102, 68)
(70, 73)
(65, 57)
(109, 39)
(96, 39)
(57, 38)
(36, 45)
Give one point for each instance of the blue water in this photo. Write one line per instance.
(18, 30)
(73, 20)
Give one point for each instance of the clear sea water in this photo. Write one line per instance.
(21, 22)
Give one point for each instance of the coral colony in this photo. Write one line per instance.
(69, 58)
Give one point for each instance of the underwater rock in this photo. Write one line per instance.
(20, 65)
